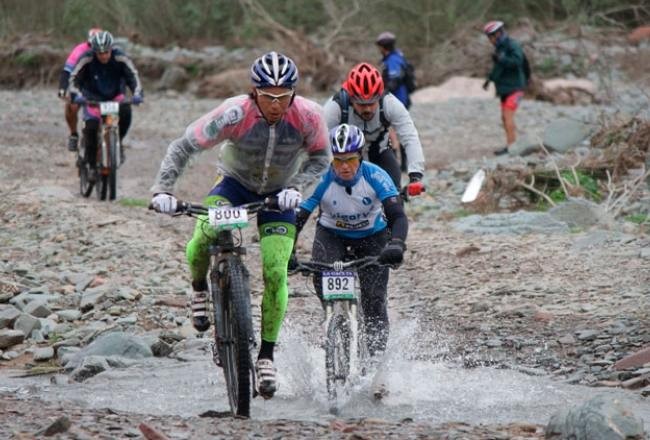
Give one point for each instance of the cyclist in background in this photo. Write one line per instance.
(360, 208)
(72, 109)
(362, 102)
(100, 75)
(273, 143)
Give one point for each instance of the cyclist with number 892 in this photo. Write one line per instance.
(360, 209)
(273, 143)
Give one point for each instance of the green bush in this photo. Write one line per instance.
(28, 59)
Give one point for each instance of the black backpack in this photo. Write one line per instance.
(526, 68)
(409, 77)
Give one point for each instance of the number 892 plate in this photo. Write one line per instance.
(339, 285)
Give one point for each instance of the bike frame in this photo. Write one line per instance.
(350, 310)
(230, 298)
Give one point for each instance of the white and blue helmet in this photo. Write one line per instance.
(102, 41)
(346, 138)
(274, 70)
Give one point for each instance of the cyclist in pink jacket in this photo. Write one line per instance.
(72, 109)
(272, 143)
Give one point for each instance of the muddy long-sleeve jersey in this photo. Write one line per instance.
(373, 130)
(293, 152)
(103, 82)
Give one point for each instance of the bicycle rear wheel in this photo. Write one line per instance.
(102, 185)
(234, 332)
(337, 356)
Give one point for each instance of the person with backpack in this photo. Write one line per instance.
(399, 77)
(362, 102)
(509, 77)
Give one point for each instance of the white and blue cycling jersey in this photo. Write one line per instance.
(352, 208)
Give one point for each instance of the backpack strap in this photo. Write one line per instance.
(382, 116)
(343, 100)
(373, 147)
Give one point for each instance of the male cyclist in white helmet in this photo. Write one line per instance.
(273, 143)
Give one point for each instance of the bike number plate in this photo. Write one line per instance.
(109, 108)
(339, 285)
(228, 217)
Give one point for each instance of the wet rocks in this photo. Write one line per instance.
(601, 418)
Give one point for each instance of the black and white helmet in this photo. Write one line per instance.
(102, 41)
(274, 70)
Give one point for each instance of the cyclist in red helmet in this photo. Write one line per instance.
(508, 76)
(363, 102)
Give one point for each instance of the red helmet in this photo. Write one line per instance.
(364, 83)
(492, 27)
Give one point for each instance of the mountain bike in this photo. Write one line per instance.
(109, 154)
(346, 348)
(230, 303)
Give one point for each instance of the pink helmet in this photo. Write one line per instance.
(492, 27)
(92, 32)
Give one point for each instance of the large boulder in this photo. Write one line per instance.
(563, 134)
(580, 213)
(454, 87)
(601, 418)
(115, 344)
(224, 84)
(511, 223)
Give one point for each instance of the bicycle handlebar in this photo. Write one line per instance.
(183, 207)
(93, 103)
(309, 267)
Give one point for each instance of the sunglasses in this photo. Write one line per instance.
(281, 98)
(337, 161)
(364, 101)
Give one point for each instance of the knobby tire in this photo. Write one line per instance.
(85, 186)
(337, 354)
(234, 343)
(113, 146)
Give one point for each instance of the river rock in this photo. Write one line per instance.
(43, 353)
(8, 316)
(37, 308)
(577, 212)
(515, 223)
(601, 418)
(562, 134)
(27, 323)
(9, 338)
(90, 366)
(116, 344)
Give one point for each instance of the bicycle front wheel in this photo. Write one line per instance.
(113, 150)
(85, 185)
(337, 355)
(234, 332)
